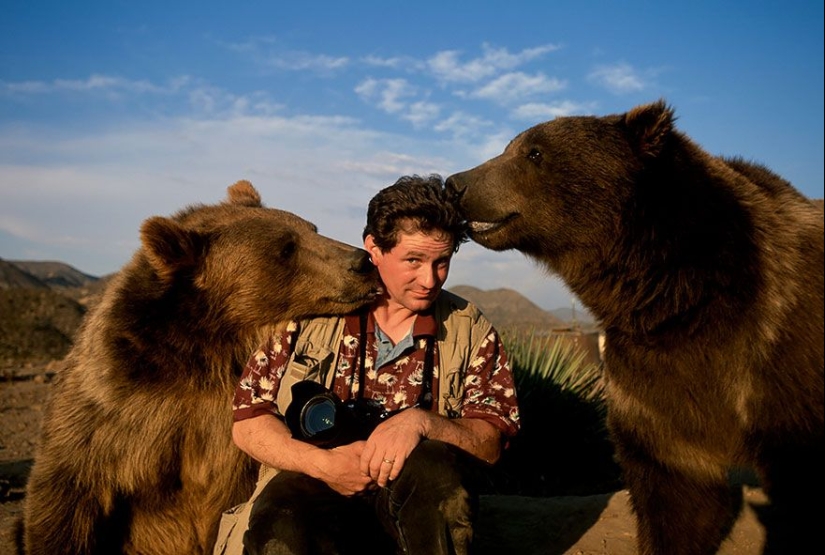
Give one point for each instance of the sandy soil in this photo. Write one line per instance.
(591, 525)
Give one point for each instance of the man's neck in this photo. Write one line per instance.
(394, 320)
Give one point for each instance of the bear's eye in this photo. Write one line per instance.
(288, 249)
(534, 155)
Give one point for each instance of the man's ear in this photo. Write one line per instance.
(371, 247)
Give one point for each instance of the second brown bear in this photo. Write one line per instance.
(707, 276)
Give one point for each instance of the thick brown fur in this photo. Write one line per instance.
(136, 454)
(707, 276)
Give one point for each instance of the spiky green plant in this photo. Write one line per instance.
(563, 447)
(538, 359)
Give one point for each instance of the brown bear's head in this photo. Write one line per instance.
(239, 264)
(557, 181)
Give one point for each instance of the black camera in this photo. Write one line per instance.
(318, 416)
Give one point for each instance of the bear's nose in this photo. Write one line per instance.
(455, 187)
(361, 263)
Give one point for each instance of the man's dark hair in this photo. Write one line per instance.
(413, 203)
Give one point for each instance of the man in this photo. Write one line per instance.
(433, 363)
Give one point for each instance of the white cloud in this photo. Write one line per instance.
(619, 78)
(446, 65)
(536, 111)
(214, 101)
(511, 87)
(96, 82)
(422, 113)
(264, 51)
(462, 125)
(300, 61)
(389, 93)
(405, 63)
(388, 166)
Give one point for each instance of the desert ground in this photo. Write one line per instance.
(589, 525)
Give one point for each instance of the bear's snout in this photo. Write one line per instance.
(456, 185)
(360, 262)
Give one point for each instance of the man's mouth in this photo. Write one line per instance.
(425, 295)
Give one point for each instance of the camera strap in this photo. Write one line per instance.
(362, 354)
(425, 398)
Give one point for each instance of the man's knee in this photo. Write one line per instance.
(432, 455)
(282, 518)
(432, 475)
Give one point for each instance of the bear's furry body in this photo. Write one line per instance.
(706, 274)
(136, 454)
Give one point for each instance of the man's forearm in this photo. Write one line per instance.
(476, 436)
(268, 440)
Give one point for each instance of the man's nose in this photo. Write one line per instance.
(428, 276)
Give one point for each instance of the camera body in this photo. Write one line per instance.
(318, 416)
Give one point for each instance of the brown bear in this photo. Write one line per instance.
(136, 453)
(706, 275)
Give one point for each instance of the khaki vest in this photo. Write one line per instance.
(461, 330)
(315, 354)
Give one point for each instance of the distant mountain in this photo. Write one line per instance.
(65, 279)
(41, 307)
(506, 308)
(574, 315)
(43, 302)
(37, 324)
(12, 276)
(55, 274)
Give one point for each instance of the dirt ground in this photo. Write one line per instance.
(591, 525)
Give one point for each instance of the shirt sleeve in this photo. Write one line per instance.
(257, 390)
(489, 387)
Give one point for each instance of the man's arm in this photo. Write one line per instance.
(476, 436)
(389, 446)
(268, 440)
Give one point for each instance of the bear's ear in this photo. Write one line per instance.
(170, 247)
(242, 193)
(649, 126)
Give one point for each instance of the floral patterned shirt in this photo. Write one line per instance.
(489, 388)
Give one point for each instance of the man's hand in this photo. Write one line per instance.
(267, 439)
(342, 470)
(391, 443)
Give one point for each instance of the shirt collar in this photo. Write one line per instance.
(424, 325)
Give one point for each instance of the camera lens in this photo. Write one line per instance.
(318, 415)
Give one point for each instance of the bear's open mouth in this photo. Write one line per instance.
(479, 228)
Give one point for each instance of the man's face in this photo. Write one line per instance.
(415, 269)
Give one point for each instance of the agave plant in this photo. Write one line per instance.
(563, 447)
(537, 360)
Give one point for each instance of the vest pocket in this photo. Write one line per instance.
(312, 366)
(453, 397)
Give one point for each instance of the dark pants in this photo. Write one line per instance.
(428, 510)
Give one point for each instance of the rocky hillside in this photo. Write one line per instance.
(43, 302)
(509, 309)
(41, 306)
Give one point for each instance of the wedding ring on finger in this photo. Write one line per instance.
(389, 461)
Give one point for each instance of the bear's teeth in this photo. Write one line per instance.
(480, 227)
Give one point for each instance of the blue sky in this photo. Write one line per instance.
(111, 112)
